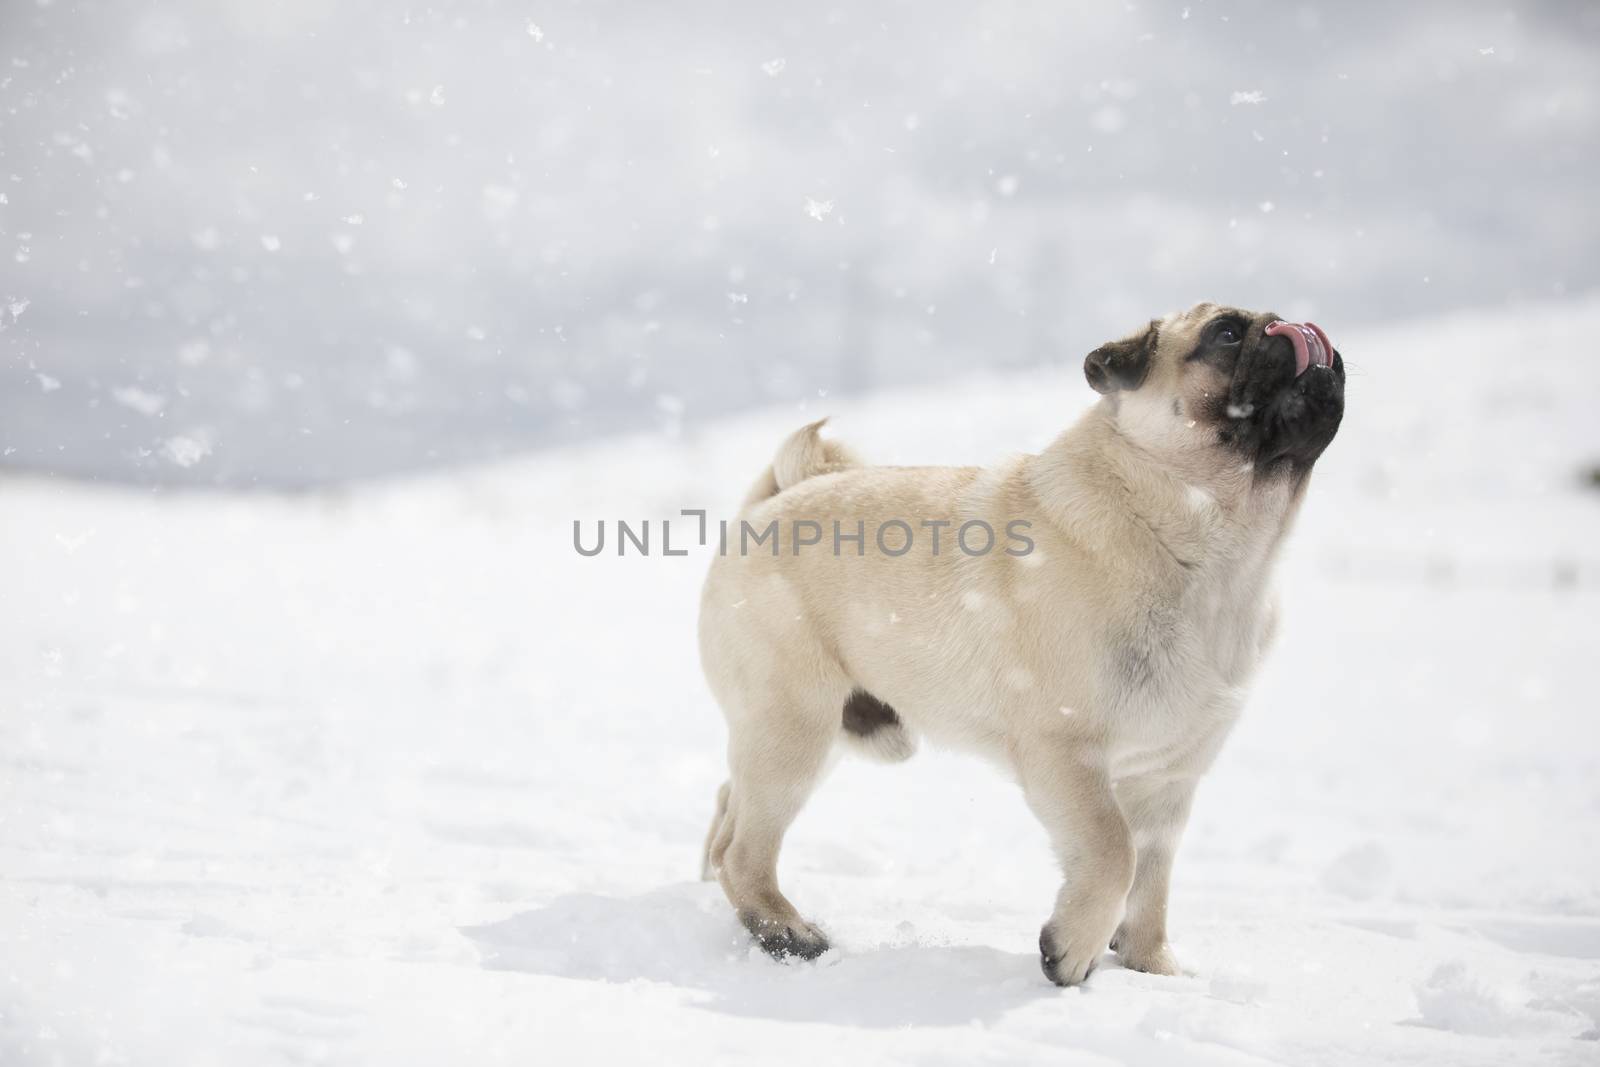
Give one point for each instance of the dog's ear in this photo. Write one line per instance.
(1121, 364)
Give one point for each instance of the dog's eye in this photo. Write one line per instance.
(1227, 334)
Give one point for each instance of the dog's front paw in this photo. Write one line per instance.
(1156, 960)
(781, 940)
(1067, 955)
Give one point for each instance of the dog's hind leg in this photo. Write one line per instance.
(776, 758)
(707, 868)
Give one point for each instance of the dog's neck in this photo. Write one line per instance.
(1096, 483)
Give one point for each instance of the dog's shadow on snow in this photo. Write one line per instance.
(686, 935)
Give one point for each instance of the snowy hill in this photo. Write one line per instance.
(395, 776)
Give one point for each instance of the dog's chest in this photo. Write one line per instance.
(1176, 737)
(1177, 682)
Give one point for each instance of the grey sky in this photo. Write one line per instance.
(292, 243)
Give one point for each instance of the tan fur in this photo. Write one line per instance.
(803, 454)
(1104, 669)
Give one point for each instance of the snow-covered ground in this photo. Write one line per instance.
(395, 776)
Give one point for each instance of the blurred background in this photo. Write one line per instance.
(249, 244)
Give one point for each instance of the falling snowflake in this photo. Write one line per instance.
(774, 67)
(818, 209)
(12, 310)
(184, 450)
(145, 403)
(535, 32)
(1248, 96)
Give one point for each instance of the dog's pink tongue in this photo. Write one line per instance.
(1311, 345)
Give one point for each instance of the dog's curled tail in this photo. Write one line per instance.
(803, 454)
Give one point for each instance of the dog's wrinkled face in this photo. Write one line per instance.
(1217, 381)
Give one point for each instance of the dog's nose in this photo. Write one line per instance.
(1311, 345)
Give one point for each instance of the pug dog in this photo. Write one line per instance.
(1101, 655)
